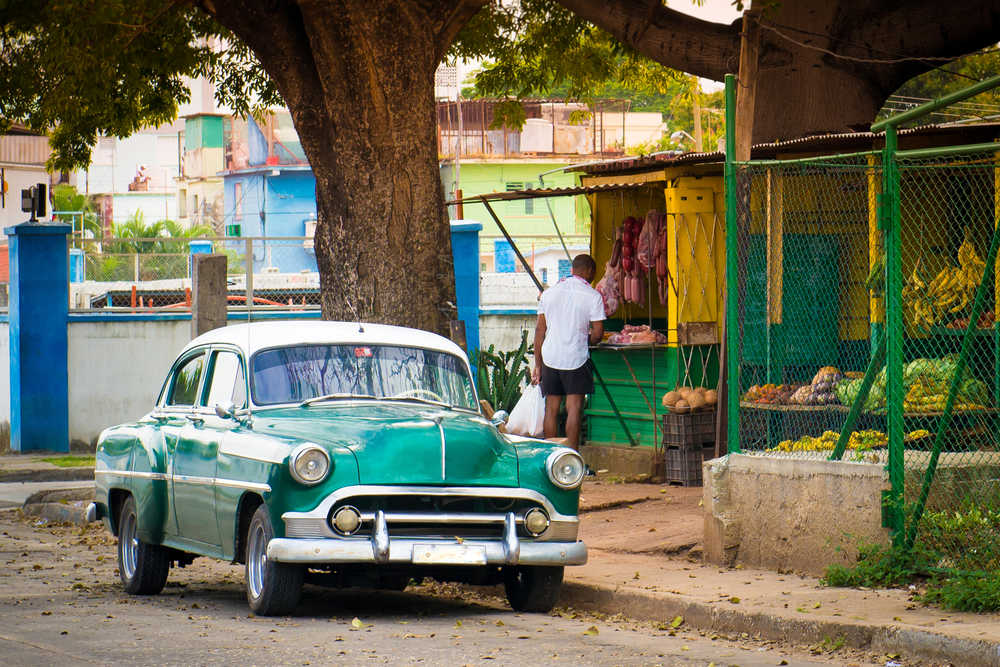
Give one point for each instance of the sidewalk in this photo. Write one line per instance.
(643, 565)
(31, 468)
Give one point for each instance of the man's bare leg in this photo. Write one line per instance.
(574, 414)
(552, 415)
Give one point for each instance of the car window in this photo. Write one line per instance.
(185, 387)
(228, 381)
(296, 373)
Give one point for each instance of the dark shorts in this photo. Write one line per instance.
(557, 382)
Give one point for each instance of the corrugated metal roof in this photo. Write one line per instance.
(540, 193)
(852, 141)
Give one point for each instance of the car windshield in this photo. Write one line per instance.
(298, 373)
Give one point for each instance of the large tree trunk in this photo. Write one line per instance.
(825, 65)
(358, 79)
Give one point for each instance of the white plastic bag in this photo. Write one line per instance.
(528, 416)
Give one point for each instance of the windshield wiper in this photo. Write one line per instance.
(332, 397)
(426, 401)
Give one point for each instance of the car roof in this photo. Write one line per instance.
(255, 336)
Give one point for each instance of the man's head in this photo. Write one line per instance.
(585, 267)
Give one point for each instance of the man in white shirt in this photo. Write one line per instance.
(570, 319)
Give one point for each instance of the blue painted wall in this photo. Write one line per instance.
(271, 205)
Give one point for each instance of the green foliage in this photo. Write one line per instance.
(880, 566)
(70, 461)
(949, 78)
(956, 556)
(978, 592)
(66, 198)
(500, 374)
(110, 67)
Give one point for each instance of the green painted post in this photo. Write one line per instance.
(894, 331)
(732, 290)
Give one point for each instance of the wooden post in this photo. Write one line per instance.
(460, 207)
(209, 290)
(747, 83)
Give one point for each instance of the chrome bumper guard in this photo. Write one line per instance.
(381, 548)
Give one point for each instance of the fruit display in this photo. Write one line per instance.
(859, 441)
(948, 293)
(821, 391)
(986, 321)
(925, 383)
(771, 394)
(685, 399)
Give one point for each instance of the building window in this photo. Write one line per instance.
(525, 205)
(182, 203)
(545, 276)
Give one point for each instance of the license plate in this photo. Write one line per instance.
(449, 554)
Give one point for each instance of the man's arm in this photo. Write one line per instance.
(596, 332)
(540, 328)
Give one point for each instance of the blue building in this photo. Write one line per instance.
(269, 191)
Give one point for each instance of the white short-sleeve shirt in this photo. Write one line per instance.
(569, 307)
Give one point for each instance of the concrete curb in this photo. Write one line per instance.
(47, 475)
(72, 512)
(911, 642)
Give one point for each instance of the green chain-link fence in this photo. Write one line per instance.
(864, 292)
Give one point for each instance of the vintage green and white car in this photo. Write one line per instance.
(336, 453)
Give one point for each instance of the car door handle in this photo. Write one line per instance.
(195, 419)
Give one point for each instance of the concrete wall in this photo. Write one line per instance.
(790, 514)
(115, 370)
(4, 385)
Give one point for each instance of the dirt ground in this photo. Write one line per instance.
(641, 518)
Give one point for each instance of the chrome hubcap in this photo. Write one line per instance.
(256, 561)
(129, 545)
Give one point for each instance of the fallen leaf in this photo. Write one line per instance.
(499, 623)
(817, 605)
(458, 624)
(635, 576)
(734, 600)
(591, 631)
(356, 624)
(676, 623)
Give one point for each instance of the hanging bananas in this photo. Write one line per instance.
(949, 292)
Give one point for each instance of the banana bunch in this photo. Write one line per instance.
(950, 292)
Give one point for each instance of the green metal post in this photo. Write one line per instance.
(956, 380)
(874, 366)
(732, 289)
(894, 331)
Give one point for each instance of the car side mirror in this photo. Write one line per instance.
(226, 410)
(499, 417)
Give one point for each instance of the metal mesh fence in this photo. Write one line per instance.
(264, 273)
(804, 306)
(951, 367)
(877, 346)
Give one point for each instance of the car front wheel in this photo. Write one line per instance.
(142, 567)
(273, 589)
(533, 587)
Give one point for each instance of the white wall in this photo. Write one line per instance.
(115, 370)
(5, 380)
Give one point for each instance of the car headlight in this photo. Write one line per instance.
(565, 468)
(309, 464)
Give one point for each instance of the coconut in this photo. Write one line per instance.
(700, 390)
(684, 392)
(670, 398)
(696, 401)
(681, 406)
(711, 397)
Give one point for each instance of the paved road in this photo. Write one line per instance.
(13, 494)
(61, 602)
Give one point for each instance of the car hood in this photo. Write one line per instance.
(396, 443)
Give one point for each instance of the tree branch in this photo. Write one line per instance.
(667, 36)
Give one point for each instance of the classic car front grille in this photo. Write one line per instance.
(462, 514)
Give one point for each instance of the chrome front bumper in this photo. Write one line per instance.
(380, 548)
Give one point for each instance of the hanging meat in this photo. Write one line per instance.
(662, 273)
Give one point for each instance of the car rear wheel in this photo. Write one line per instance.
(533, 587)
(142, 567)
(273, 589)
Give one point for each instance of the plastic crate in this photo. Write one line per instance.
(684, 466)
(689, 430)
